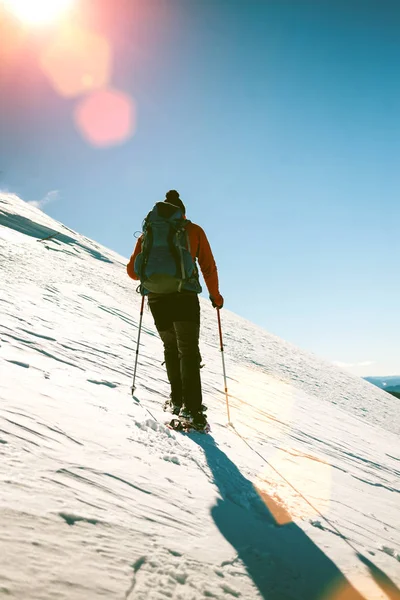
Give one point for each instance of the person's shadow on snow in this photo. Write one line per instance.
(283, 562)
(385, 583)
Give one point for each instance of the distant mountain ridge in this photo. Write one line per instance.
(390, 383)
(395, 391)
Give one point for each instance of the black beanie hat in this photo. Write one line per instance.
(172, 197)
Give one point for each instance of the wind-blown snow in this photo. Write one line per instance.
(100, 500)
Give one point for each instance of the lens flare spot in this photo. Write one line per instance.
(308, 474)
(77, 61)
(38, 12)
(265, 402)
(360, 585)
(87, 81)
(106, 117)
(275, 505)
(12, 38)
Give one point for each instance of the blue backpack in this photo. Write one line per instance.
(165, 264)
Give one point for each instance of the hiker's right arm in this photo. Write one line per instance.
(130, 266)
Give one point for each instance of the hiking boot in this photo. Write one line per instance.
(185, 413)
(172, 407)
(199, 421)
(197, 418)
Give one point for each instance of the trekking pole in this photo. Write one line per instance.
(137, 346)
(223, 364)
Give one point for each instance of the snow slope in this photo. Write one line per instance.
(98, 499)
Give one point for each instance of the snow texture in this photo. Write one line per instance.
(299, 499)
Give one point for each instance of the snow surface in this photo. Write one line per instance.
(98, 499)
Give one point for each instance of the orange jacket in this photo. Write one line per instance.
(200, 249)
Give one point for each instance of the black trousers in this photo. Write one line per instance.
(177, 318)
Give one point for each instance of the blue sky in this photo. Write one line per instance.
(279, 123)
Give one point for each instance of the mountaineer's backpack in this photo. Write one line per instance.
(165, 264)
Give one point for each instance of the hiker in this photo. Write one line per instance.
(165, 262)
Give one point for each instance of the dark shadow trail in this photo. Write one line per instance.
(277, 557)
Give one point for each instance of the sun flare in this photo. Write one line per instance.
(38, 12)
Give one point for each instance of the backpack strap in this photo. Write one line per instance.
(188, 241)
(178, 238)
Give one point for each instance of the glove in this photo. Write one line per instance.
(218, 303)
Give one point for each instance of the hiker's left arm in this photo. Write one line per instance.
(130, 266)
(208, 268)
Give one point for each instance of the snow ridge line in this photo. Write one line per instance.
(337, 530)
